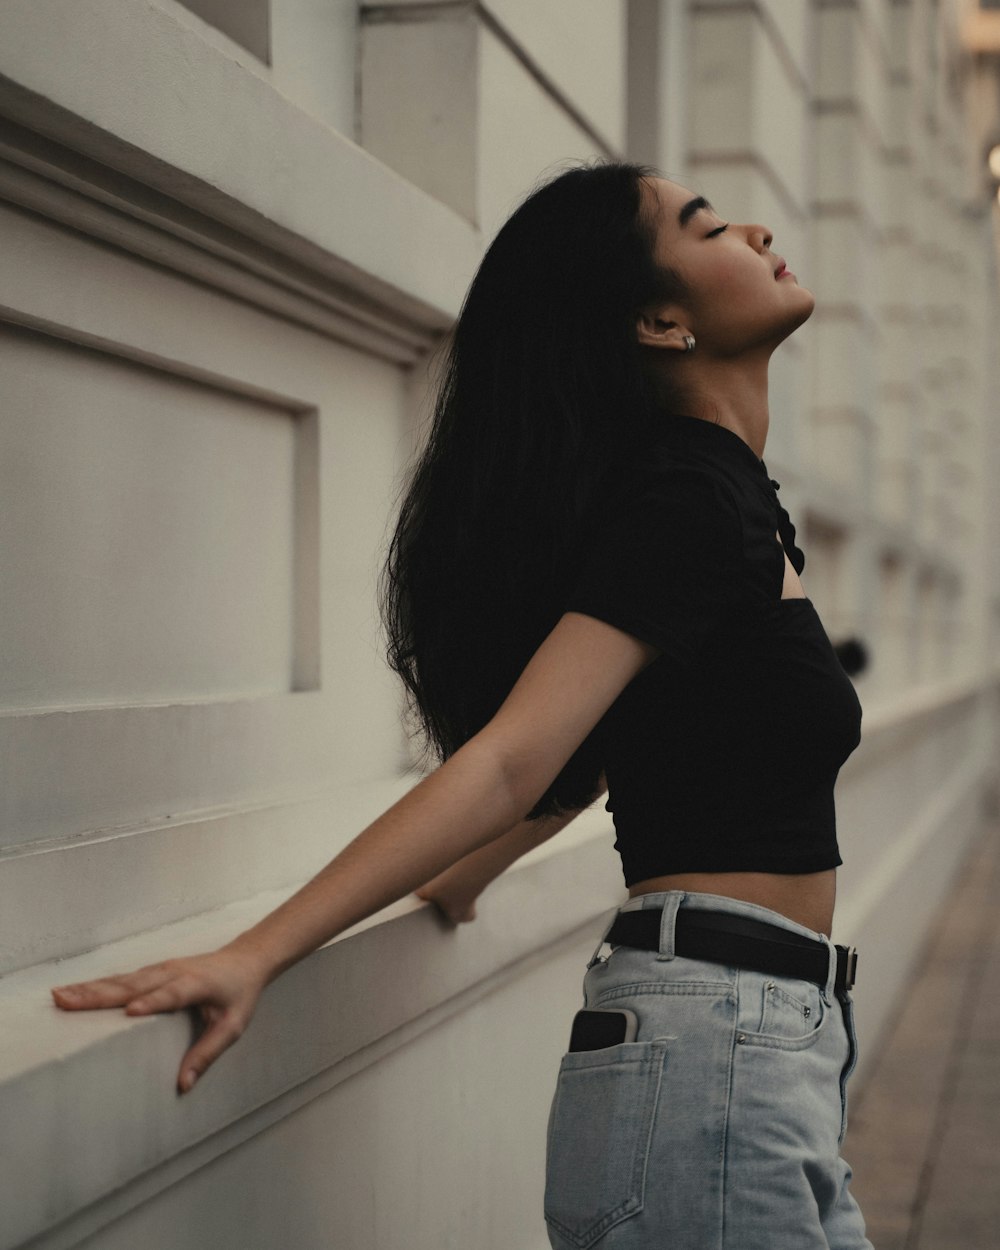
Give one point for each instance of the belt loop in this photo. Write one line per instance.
(668, 918)
(830, 989)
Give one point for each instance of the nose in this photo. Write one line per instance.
(759, 236)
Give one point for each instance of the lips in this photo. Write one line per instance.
(782, 268)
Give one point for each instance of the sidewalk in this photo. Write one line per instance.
(924, 1135)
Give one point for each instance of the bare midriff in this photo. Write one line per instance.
(807, 898)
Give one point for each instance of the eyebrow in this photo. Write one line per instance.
(691, 207)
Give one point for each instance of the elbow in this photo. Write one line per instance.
(524, 773)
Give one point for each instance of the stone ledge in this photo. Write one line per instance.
(61, 1074)
(108, 1081)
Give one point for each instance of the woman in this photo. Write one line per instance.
(591, 575)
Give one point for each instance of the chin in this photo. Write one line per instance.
(804, 311)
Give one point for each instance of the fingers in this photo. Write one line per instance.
(181, 990)
(442, 911)
(134, 991)
(455, 910)
(223, 985)
(218, 1036)
(459, 913)
(87, 995)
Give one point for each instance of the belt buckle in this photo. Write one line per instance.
(848, 961)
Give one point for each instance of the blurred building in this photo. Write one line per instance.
(233, 233)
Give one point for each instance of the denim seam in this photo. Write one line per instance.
(724, 1162)
(768, 1041)
(772, 1041)
(695, 989)
(792, 999)
(652, 1121)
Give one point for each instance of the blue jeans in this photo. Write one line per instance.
(720, 1126)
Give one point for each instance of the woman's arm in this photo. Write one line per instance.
(477, 795)
(454, 891)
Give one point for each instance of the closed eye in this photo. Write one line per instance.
(712, 233)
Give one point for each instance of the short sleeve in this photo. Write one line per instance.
(665, 563)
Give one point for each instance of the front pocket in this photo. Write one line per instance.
(790, 1014)
(598, 1138)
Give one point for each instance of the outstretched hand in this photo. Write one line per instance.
(224, 985)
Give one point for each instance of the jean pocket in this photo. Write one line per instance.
(599, 1132)
(790, 1011)
(789, 1014)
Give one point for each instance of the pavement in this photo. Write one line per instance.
(924, 1131)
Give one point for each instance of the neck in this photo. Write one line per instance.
(729, 392)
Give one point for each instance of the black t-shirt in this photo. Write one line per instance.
(721, 756)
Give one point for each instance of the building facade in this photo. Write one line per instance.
(234, 235)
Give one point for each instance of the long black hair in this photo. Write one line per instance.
(543, 401)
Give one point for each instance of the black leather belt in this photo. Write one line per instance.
(723, 938)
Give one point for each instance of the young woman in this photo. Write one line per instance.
(592, 576)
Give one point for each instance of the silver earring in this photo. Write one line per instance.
(688, 343)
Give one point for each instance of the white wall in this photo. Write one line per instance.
(222, 277)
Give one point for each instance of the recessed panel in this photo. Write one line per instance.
(149, 533)
(247, 23)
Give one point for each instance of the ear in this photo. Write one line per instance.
(655, 329)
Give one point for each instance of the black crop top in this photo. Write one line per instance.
(721, 756)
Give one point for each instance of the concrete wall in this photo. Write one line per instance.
(233, 236)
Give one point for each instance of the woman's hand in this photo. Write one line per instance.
(454, 891)
(454, 898)
(224, 984)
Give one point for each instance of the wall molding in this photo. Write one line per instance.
(771, 29)
(870, 32)
(165, 110)
(404, 13)
(41, 177)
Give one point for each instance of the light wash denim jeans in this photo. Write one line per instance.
(720, 1127)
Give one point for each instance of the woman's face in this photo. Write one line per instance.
(737, 300)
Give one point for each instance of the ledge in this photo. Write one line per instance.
(61, 1074)
(906, 709)
(128, 87)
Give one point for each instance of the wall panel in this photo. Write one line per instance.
(196, 494)
(150, 534)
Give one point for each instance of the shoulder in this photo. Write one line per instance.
(667, 524)
(668, 491)
(667, 558)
